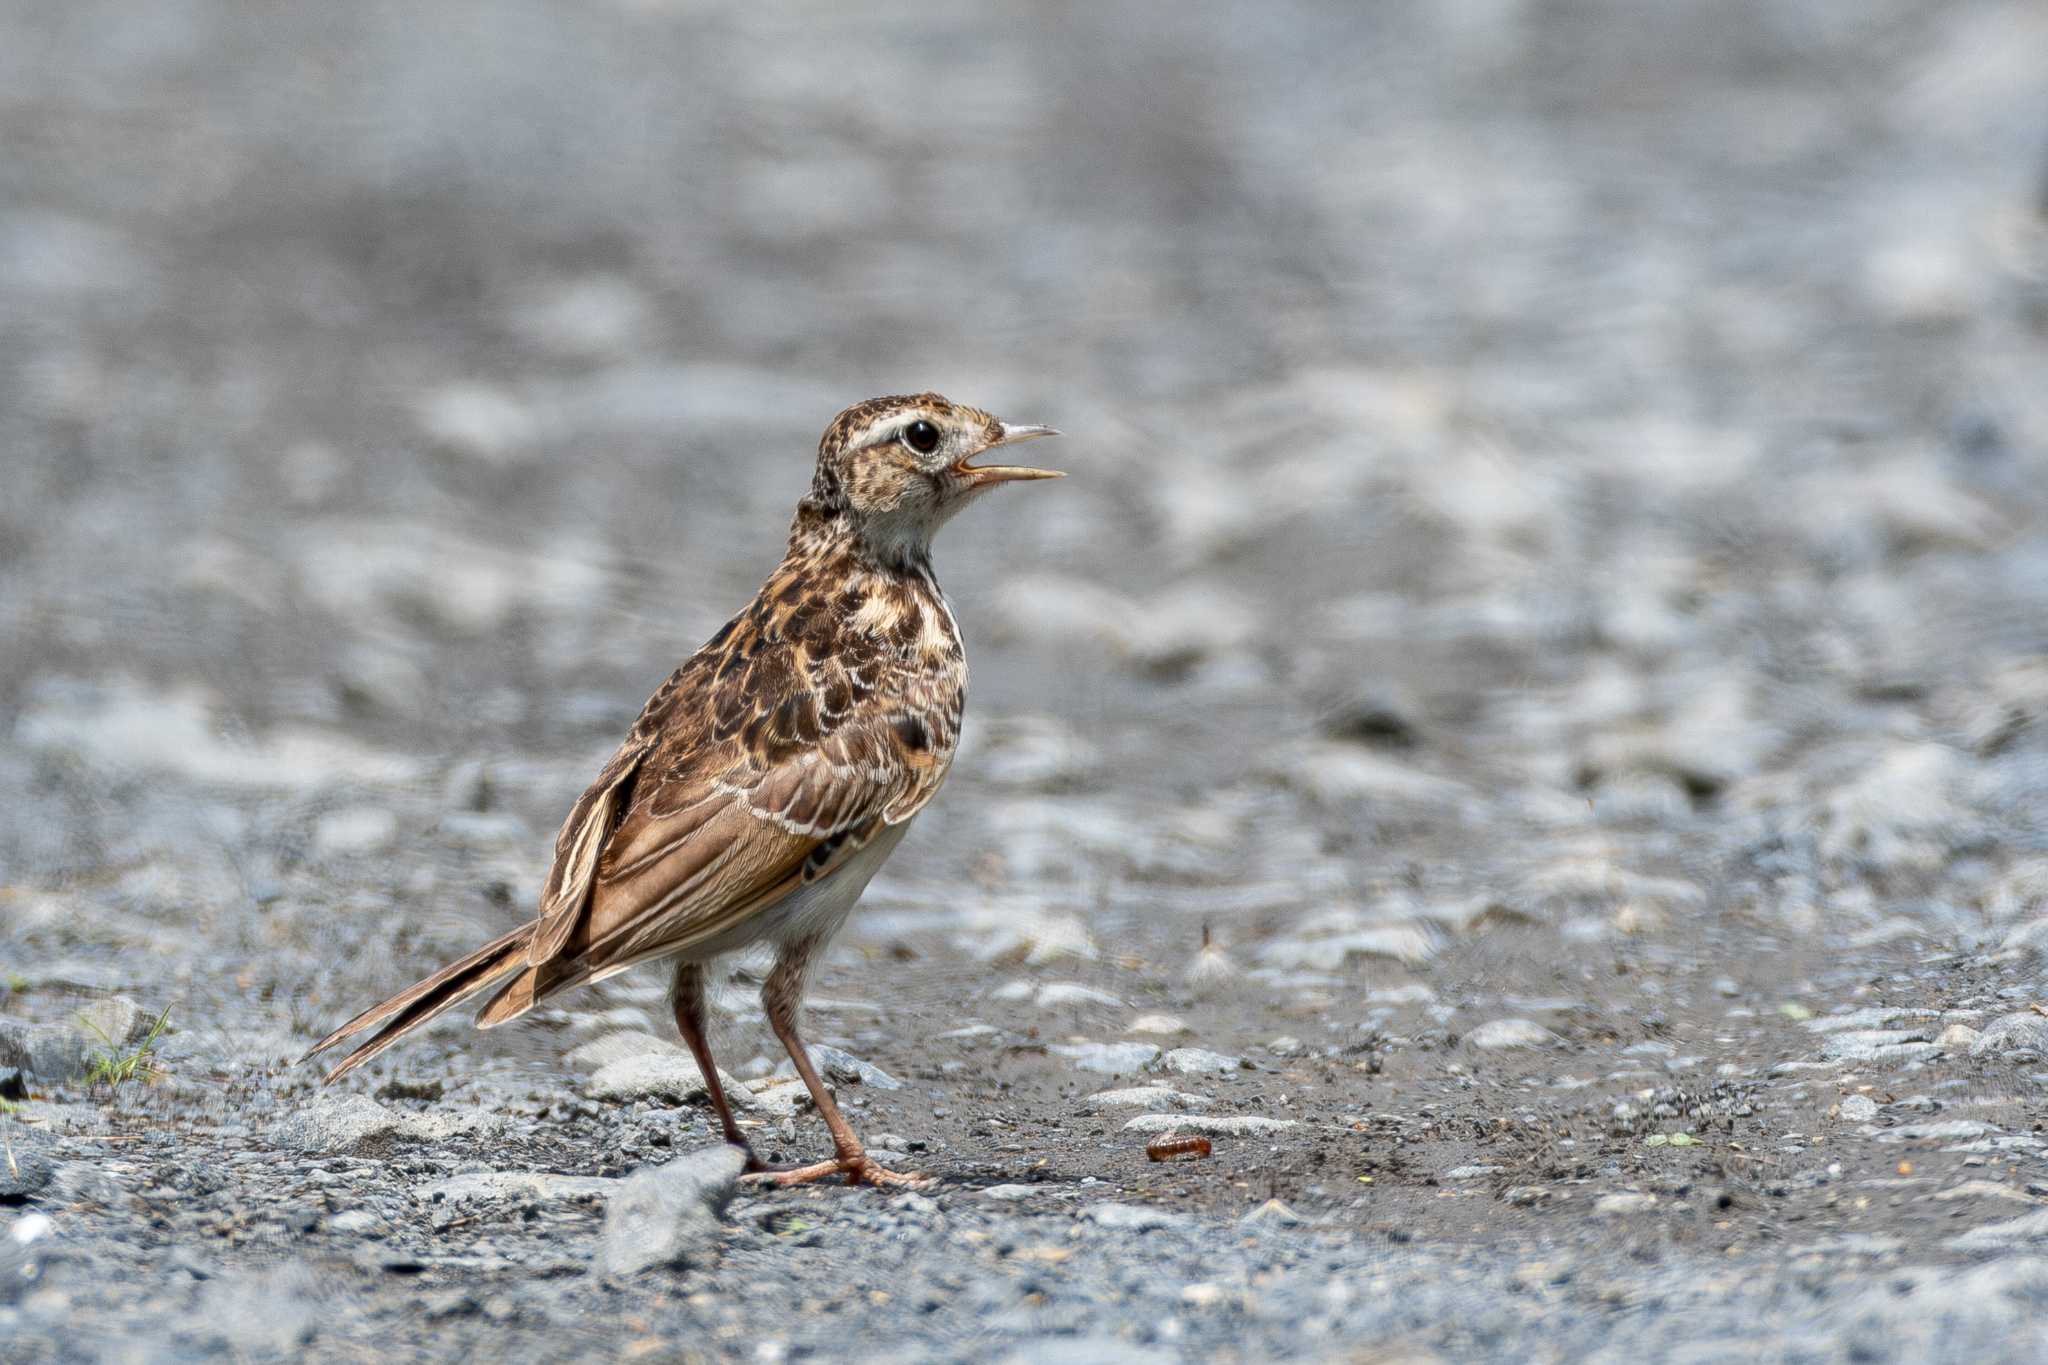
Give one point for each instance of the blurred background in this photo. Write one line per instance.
(1559, 463)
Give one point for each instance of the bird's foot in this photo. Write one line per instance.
(859, 1169)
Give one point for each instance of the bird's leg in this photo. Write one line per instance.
(686, 995)
(781, 995)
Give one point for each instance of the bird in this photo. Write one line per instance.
(771, 775)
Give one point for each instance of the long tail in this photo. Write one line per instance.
(428, 1000)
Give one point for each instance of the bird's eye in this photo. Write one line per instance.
(921, 436)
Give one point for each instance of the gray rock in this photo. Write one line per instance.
(1060, 994)
(357, 1125)
(51, 1052)
(1878, 1045)
(668, 1077)
(1112, 1059)
(2027, 1231)
(1470, 1172)
(1132, 1217)
(354, 830)
(1007, 1194)
(1195, 1061)
(1949, 1130)
(1858, 1109)
(1624, 1203)
(1209, 1125)
(356, 1223)
(844, 1067)
(82, 1182)
(540, 1187)
(1499, 1033)
(2010, 1032)
(669, 1215)
(24, 1175)
(602, 1051)
(334, 1124)
(1143, 1097)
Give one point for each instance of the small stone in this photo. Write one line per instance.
(669, 1215)
(1725, 986)
(1286, 1045)
(1948, 1130)
(535, 1187)
(1006, 1194)
(1143, 1097)
(1194, 1061)
(2028, 1231)
(2011, 1032)
(1131, 1217)
(1960, 1036)
(1203, 1295)
(1499, 1033)
(336, 1124)
(667, 1077)
(355, 1223)
(836, 1065)
(23, 1175)
(602, 1051)
(1113, 1059)
(1525, 1195)
(1210, 1125)
(778, 1096)
(1057, 994)
(1858, 1109)
(1470, 1172)
(1624, 1203)
(1272, 1213)
(356, 829)
(1165, 1025)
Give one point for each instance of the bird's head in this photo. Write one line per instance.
(897, 469)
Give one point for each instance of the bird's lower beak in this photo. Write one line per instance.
(981, 476)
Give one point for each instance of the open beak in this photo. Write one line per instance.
(982, 475)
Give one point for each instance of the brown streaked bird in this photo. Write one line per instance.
(772, 774)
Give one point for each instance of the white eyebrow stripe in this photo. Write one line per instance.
(892, 425)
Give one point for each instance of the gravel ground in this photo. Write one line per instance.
(1553, 592)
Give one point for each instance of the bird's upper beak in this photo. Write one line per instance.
(981, 476)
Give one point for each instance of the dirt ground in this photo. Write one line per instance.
(1553, 590)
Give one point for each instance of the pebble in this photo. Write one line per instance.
(2030, 1230)
(1165, 1025)
(483, 1187)
(1209, 1125)
(1499, 1033)
(1131, 1217)
(1011, 1193)
(1958, 1036)
(1403, 943)
(2010, 1032)
(1858, 1109)
(354, 830)
(1286, 1045)
(1195, 1061)
(23, 1174)
(356, 1124)
(836, 1065)
(1055, 994)
(1470, 1172)
(1113, 1059)
(601, 1052)
(670, 1077)
(1624, 1203)
(1144, 1097)
(669, 1215)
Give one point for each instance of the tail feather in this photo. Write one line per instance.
(428, 1000)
